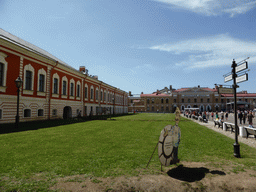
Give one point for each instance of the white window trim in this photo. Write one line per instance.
(78, 83)
(2, 60)
(28, 68)
(101, 91)
(74, 87)
(86, 98)
(105, 98)
(55, 75)
(62, 80)
(92, 88)
(41, 72)
(97, 89)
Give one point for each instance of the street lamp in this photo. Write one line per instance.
(18, 83)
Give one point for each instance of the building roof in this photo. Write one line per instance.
(202, 88)
(26, 45)
(155, 95)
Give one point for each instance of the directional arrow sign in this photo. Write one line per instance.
(228, 78)
(242, 67)
(242, 78)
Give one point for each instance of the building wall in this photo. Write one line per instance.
(18, 59)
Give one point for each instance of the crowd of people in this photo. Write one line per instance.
(243, 116)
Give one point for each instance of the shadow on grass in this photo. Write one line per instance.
(34, 125)
(191, 174)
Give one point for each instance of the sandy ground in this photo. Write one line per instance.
(186, 177)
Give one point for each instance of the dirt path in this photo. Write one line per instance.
(186, 177)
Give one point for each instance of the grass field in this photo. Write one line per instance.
(32, 160)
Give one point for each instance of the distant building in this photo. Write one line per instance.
(51, 88)
(206, 99)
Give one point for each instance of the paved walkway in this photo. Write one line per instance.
(251, 141)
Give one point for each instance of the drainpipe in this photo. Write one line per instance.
(50, 94)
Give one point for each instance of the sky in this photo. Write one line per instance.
(142, 45)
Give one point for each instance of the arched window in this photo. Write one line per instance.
(41, 85)
(78, 90)
(91, 93)
(28, 84)
(72, 87)
(97, 94)
(86, 91)
(105, 96)
(1, 74)
(3, 71)
(56, 82)
(101, 95)
(64, 87)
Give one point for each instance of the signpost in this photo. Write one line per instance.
(233, 76)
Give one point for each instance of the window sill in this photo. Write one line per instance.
(28, 92)
(39, 93)
(64, 96)
(55, 95)
(71, 97)
(3, 89)
(78, 98)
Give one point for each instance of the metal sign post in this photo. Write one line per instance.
(236, 79)
(236, 144)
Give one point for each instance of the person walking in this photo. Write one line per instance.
(222, 115)
(207, 115)
(240, 116)
(226, 115)
(217, 116)
(244, 117)
(212, 115)
(250, 117)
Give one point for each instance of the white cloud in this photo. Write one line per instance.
(208, 52)
(240, 9)
(212, 7)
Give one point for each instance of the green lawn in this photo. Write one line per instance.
(105, 148)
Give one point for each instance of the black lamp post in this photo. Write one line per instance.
(113, 101)
(18, 83)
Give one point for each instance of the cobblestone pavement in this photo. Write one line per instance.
(251, 141)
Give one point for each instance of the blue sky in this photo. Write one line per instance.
(141, 45)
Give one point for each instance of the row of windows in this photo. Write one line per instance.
(153, 101)
(28, 84)
(175, 101)
(27, 113)
(64, 87)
